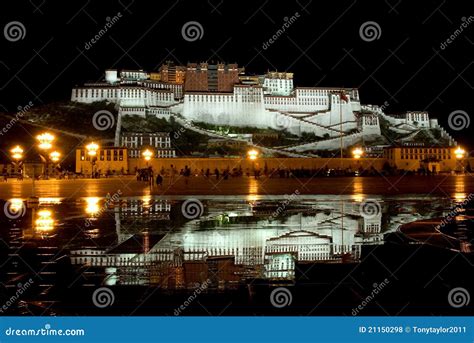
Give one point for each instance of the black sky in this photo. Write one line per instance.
(405, 67)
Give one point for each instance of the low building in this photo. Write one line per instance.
(415, 157)
(30, 169)
(108, 160)
(159, 142)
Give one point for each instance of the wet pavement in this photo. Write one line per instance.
(443, 185)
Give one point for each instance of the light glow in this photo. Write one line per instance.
(252, 154)
(92, 148)
(17, 152)
(45, 140)
(459, 152)
(147, 154)
(44, 222)
(357, 153)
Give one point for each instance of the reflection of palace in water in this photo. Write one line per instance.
(228, 246)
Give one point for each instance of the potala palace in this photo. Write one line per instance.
(222, 94)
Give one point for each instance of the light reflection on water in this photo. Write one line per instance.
(147, 240)
(92, 205)
(44, 221)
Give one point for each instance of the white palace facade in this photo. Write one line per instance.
(271, 101)
(263, 101)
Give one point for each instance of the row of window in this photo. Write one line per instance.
(223, 98)
(292, 102)
(104, 155)
(160, 144)
(136, 142)
(114, 93)
(425, 150)
(319, 92)
(425, 156)
(158, 154)
(278, 83)
(417, 116)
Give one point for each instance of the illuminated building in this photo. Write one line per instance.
(205, 77)
(415, 157)
(107, 160)
(159, 141)
(219, 94)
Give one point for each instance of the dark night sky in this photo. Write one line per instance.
(405, 67)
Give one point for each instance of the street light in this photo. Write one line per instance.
(45, 140)
(147, 155)
(54, 156)
(252, 154)
(17, 155)
(459, 153)
(92, 149)
(92, 152)
(357, 153)
(45, 143)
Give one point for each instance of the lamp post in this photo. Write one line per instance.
(54, 156)
(357, 154)
(45, 144)
(92, 152)
(147, 155)
(17, 156)
(253, 155)
(460, 153)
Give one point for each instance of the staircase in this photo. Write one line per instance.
(327, 144)
(189, 125)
